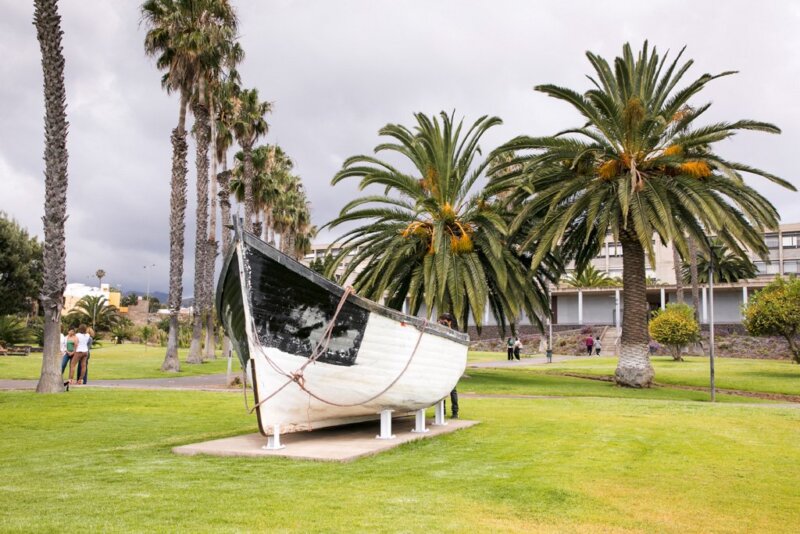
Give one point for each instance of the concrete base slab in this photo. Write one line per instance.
(337, 444)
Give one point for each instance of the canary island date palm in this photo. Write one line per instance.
(728, 267)
(428, 235)
(590, 277)
(641, 168)
(47, 21)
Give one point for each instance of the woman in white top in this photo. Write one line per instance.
(81, 354)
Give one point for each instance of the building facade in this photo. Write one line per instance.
(602, 306)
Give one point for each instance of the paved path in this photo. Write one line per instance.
(203, 382)
(218, 382)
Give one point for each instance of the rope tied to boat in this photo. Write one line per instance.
(321, 348)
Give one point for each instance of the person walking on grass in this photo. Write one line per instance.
(80, 355)
(597, 345)
(510, 348)
(517, 347)
(85, 373)
(68, 345)
(589, 344)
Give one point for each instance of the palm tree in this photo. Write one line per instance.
(248, 126)
(590, 277)
(220, 101)
(262, 190)
(638, 169)
(427, 237)
(190, 39)
(96, 311)
(227, 109)
(48, 31)
(100, 274)
(728, 267)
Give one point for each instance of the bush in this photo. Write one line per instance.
(13, 330)
(775, 311)
(675, 327)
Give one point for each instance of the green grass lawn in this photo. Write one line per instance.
(100, 460)
(770, 376)
(116, 362)
(532, 381)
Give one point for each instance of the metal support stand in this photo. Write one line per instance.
(420, 422)
(439, 419)
(386, 425)
(274, 441)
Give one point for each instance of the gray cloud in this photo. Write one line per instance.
(337, 72)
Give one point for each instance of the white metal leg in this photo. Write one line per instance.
(386, 425)
(420, 422)
(274, 441)
(439, 419)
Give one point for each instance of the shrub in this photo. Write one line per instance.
(775, 311)
(13, 330)
(675, 327)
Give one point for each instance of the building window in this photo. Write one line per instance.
(791, 240)
(602, 253)
(791, 266)
(772, 240)
(766, 268)
(615, 250)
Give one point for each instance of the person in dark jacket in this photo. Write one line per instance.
(448, 320)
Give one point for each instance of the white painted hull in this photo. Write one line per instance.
(433, 372)
(276, 313)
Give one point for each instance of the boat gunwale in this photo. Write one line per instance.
(250, 240)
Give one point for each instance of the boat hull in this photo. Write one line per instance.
(276, 311)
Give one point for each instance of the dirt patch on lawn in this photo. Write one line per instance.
(738, 392)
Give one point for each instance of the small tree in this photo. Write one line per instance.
(675, 327)
(775, 311)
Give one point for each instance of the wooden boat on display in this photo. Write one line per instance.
(320, 355)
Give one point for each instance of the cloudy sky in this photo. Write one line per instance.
(337, 72)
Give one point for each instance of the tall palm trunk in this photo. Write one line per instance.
(211, 247)
(177, 226)
(200, 254)
(634, 368)
(676, 260)
(249, 198)
(48, 32)
(694, 277)
(268, 222)
(225, 211)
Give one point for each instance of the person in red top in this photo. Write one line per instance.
(589, 344)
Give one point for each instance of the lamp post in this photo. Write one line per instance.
(711, 320)
(549, 352)
(711, 257)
